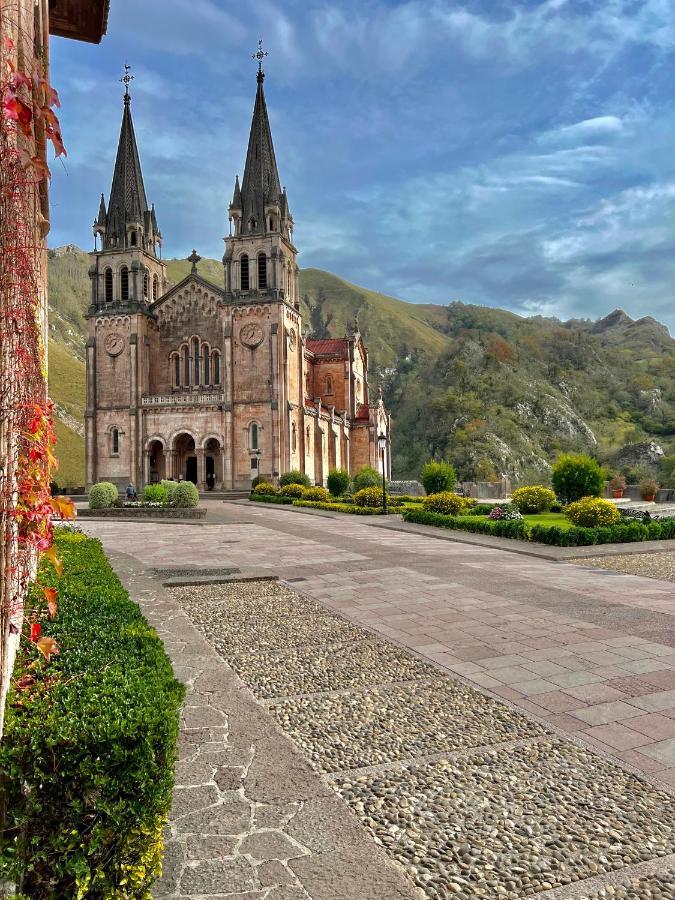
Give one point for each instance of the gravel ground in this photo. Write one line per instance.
(488, 823)
(659, 887)
(513, 822)
(652, 565)
(371, 727)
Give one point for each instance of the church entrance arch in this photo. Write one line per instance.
(213, 463)
(157, 462)
(185, 456)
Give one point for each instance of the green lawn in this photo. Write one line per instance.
(558, 519)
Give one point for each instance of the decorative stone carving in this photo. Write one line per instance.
(292, 338)
(114, 343)
(251, 335)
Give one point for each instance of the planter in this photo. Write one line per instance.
(617, 494)
(170, 512)
(649, 498)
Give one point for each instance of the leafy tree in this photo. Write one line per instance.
(338, 481)
(438, 477)
(367, 476)
(576, 476)
(294, 477)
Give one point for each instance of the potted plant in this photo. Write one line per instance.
(648, 489)
(617, 486)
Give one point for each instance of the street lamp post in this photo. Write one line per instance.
(382, 444)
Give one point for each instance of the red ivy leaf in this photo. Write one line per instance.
(23, 683)
(48, 647)
(8, 43)
(50, 594)
(18, 111)
(35, 630)
(54, 560)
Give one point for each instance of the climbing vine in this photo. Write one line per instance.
(27, 123)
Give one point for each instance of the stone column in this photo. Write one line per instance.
(201, 469)
(146, 467)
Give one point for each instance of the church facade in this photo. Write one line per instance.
(216, 383)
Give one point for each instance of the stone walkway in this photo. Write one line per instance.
(585, 653)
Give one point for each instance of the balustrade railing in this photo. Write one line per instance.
(186, 399)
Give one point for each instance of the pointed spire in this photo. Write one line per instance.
(260, 186)
(128, 203)
(102, 215)
(236, 196)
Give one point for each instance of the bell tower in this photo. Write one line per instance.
(260, 257)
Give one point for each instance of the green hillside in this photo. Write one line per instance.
(494, 391)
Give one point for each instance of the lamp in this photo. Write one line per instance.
(382, 444)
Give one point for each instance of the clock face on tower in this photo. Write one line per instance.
(251, 335)
(114, 343)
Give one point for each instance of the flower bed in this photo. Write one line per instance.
(663, 529)
(87, 758)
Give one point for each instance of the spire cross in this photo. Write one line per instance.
(126, 79)
(194, 258)
(260, 54)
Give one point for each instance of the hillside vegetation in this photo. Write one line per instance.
(491, 390)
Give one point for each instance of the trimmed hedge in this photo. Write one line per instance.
(102, 495)
(317, 494)
(292, 490)
(630, 532)
(186, 495)
(513, 528)
(295, 476)
(341, 507)
(86, 763)
(271, 498)
(266, 488)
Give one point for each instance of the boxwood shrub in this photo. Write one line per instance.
(513, 528)
(154, 493)
(630, 532)
(341, 507)
(186, 495)
(271, 498)
(264, 487)
(292, 490)
(295, 476)
(86, 762)
(318, 494)
(102, 495)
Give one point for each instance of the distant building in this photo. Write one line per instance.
(216, 384)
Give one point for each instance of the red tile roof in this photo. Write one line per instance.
(327, 345)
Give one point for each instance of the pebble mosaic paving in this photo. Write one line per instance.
(502, 809)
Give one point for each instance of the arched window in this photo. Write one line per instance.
(329, 384)
(115, 441)
(124, 284)
(133, 238)
(155, 287)
(216, 367)
(244, 272)
(145, 285)
(206, 356)
(108, 286)
(186, 366)
(175, 363)
(251, 224)
(262, 271)
(294, 438)
(271, 224)
(253, 436)
(196, 358)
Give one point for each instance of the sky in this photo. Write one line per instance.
(510, 153)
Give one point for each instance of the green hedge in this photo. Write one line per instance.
(513, 528)
(342, 507)
(86, 763)
(548, 534)
(610, 534)
(270, 498)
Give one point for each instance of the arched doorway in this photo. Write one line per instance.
(156, 462)
(213, 463)
(185, 457)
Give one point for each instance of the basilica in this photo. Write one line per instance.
(216, 384)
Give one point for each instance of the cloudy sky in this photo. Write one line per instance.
(514, 153)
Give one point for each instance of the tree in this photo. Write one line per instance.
(576, 476)
(438, 477)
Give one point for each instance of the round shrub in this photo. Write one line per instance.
(446, 502)
(292, 490)
(576, 476)
(170, 488)
(370, 496)
(533, 498)
(316, 494)
(154, 493)
(438, 477)
(265, 488)
(294, 477)
(338, 481)
(102, 495)
(366, 477)
(592, 512)
(186, 495)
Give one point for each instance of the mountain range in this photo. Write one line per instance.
(492, 391)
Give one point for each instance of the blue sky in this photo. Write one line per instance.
(506, 152)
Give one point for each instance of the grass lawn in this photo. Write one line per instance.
(560, 520)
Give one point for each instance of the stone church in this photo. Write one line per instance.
(216, 383)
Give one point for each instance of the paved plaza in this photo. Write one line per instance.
(475, 720)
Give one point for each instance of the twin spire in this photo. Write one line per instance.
(259, 203)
